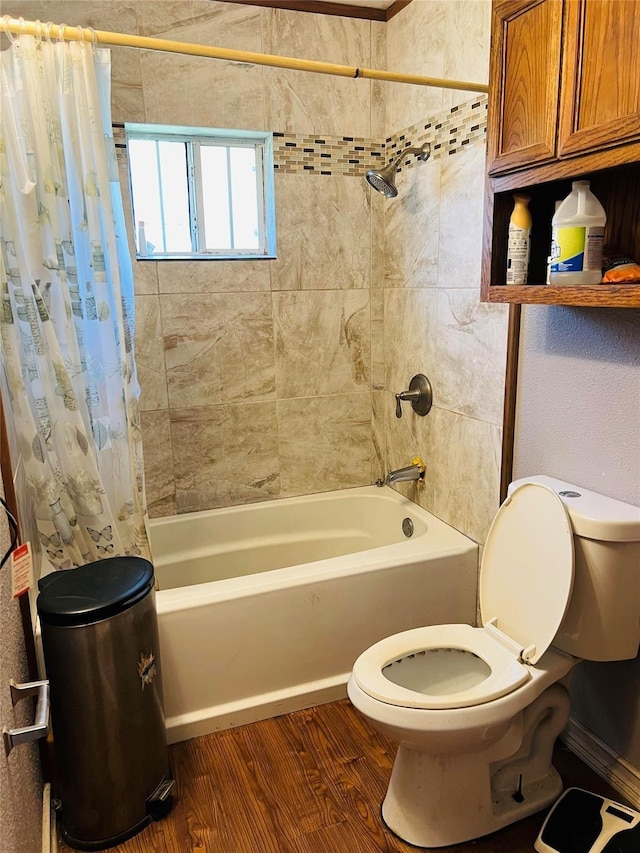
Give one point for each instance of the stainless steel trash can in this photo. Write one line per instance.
(100, 642)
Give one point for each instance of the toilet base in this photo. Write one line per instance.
(439, 800)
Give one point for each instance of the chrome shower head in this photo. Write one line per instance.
(383, 180)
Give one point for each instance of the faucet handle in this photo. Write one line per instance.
(399, 399)
(420, 395)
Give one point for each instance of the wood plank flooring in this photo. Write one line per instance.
(307, 782)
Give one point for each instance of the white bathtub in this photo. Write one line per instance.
(264, 608)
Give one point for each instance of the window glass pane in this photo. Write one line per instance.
(215, 193)
(145, 188)
(160, 196)
(245, 198)
(175, 196)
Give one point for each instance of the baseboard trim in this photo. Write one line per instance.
(599, 756)
(46, 818)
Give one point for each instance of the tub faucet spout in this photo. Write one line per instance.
(415, 471)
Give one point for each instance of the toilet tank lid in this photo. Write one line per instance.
(592, 515)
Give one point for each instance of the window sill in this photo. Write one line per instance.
(200, 257)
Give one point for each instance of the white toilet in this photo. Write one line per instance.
(476, 711)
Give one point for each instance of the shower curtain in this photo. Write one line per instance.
(66, 303)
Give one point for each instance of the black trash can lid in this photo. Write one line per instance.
(95, 591)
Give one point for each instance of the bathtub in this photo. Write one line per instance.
(264, 608)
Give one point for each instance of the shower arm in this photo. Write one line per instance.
(422, 153)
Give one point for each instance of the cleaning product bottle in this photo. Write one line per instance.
(578, 238)
(519, 245)
(549, 258)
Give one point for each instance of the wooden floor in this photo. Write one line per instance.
(307, 782)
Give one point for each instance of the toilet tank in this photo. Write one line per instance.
(602, 622)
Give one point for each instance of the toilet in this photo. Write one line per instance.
(476, 711)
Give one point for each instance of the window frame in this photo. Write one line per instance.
(195, 138)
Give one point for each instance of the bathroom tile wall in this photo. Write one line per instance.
(435, 38)
(263, 386)
(272, 378)
(434, 322)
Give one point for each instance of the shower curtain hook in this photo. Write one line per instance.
(47, 31)
(61, 29)
(7, 31)
(93, 35)
(38, 32)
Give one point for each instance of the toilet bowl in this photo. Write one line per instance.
(476, 711)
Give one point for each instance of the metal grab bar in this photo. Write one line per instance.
(27, 734)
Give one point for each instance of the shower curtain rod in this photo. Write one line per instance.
(37, 28)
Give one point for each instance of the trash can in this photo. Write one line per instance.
(100, 643)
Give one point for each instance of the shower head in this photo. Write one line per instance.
(383, 180)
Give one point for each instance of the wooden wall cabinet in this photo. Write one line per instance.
(525, 37)
(600, 94)
(564, 104)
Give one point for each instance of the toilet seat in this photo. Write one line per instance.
(505, 671)
(525, 588)
(526, 577)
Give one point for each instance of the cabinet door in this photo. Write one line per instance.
(525, 68)
(600, 103)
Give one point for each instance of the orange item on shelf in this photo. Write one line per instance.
(622, 271)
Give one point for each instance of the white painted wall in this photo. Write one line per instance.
(578, 414)
(578, 418)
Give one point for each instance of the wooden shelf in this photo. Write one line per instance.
(594, 296)
(563, 105)
(569, 168)
(618, 189)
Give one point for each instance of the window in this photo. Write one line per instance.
(201, 193)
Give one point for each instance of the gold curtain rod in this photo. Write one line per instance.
(36, 28)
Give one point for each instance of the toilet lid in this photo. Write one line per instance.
(527, 568)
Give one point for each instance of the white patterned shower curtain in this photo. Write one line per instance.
(66, 303)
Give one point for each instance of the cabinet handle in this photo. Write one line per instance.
(26, 734)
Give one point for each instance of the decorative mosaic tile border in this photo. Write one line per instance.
(448, 132)
(326, 155)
